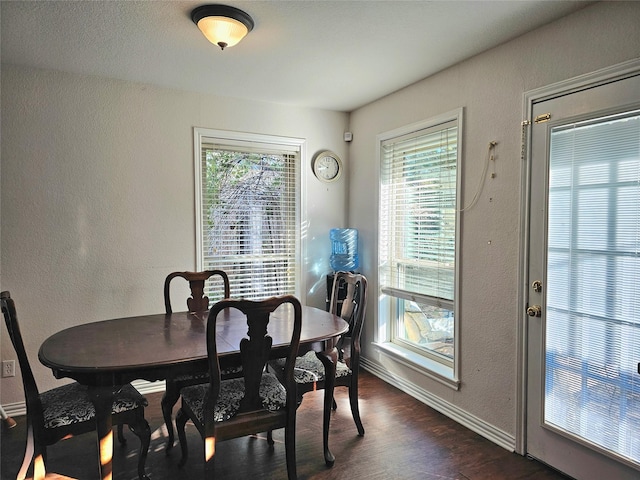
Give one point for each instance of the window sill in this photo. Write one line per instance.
(430, 368)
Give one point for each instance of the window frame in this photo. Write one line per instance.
(444, 372)
(233, 139)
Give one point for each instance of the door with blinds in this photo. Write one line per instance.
(583, 299)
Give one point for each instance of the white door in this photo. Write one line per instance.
(583, 298)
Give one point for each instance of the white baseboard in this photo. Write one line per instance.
(15, 409)
(472, 422)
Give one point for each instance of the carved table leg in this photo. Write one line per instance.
(169, 399)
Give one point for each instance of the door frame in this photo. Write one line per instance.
(530, 98)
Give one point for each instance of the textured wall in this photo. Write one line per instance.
(490, 87)
(98, 196)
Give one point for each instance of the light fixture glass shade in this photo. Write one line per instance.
(222, 31)
(222, 25)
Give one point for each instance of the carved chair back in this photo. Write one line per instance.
(225, 409)
(255, 348)
(352, 309)
(198, 302)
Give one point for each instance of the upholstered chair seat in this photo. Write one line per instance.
(70, 404)
(203, 377)
(272, 393)
(309, 368)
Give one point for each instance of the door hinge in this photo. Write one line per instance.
(543, 118)
(523, 150)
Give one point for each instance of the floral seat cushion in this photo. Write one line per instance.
(309, 368)
(70, 404)
(204, 376)
(274, 397)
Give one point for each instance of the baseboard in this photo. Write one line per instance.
(464, 418)
(15, 409)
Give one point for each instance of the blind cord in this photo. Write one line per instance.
(490, 156)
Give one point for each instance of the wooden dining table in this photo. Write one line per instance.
(106, 354)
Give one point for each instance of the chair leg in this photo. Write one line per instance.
(28, 453)
(169, 399)
(329, 458)
(209, 465)
(39, 462)
(270, 437)
(181, 421)
(328, 360)
(142, 430)
(290, 448)
(353, 400)
(121, 438)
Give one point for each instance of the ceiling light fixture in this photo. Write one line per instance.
(222, 25)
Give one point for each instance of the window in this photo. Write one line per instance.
(418, 228)
(247, 198)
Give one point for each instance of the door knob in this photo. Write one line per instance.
(534, 311)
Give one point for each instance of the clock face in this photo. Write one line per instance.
(326, 166)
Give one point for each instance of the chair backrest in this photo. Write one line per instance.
(353, 306)
(32, 396)
(198, 302)
(254, 350)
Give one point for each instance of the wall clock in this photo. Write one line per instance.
(327, 166)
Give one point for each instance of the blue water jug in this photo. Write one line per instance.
(344, 249)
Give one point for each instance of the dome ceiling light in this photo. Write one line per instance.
(222, 25)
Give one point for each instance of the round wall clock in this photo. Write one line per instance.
(327, 166)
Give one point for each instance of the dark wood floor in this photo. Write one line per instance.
(404, 440)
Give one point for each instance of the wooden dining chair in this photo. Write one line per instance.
(225, 409)
(67, 410)
(309, 372)
(198, 302)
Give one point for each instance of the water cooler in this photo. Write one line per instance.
(344, 257)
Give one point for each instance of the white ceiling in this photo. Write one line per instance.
(336, 55)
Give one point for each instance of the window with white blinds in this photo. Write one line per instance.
(592, 342)
(248, 197)
(417, 234)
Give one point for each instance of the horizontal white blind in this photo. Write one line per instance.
(593, 283)
(418, 212)
(249, 201)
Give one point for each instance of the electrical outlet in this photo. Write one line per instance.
(8, 368)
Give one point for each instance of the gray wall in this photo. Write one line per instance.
(490, 87)
(98, 196)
